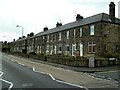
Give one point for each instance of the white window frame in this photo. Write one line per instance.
(81, 49)
(67, 34)
(74, 32)
(51, 37)
(55, 49)
(47, 48)
(91, 44)
(66, 47)
(51, 49)
(47, 38)
(60, 45)
(92, 30)
(59, 36)
(73, 51)
(40, 49)
(81, 32)
(43, 37)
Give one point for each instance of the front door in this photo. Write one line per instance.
(81, 49)
(73, 49)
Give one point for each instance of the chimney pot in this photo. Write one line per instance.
(31, 34)
(45, 29)
(58, 24)
(79, 17)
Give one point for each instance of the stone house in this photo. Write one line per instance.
(97, 35)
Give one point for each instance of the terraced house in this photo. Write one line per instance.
(97, 36)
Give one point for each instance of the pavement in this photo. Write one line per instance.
(78, 69)
(68, 73)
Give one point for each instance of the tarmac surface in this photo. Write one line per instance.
(74, 75)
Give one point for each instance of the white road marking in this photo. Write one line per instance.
(72, 84)
(51, 76)
(20, 63)
(11, 84)
(1, 73)
(12, 60)
(93, 76)
(59, 80)
(34, 69)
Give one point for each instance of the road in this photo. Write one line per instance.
(25, 73)
(24, 77)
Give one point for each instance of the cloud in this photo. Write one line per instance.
(34, 15)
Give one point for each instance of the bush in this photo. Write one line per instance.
(109, 55)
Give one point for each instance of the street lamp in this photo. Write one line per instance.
(21, 27)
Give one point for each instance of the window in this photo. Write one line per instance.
(40, 49)
(47, 48)
(51, 37)
(67, 34)
(51, 49)
(91, 47)
(47, 38)
(43, 37)
(55, 37)
(60, 47)
(59, 36)
(80, 32)
(92, 31)
(73, 49)
(74, 33)
(67, 47)
(55, 49)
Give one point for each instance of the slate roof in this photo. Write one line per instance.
(84, 21)
(88, 20)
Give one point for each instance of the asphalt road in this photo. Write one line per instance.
(24, 77)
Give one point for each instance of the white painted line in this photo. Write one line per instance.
(39, 71)
(34, 69)
(59, 80)
(72, 84)
(12, 60)
(11, 84)
(93, 76)
(20, 63)
(51, 76)
(1, 73)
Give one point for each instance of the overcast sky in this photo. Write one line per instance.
(34, 15)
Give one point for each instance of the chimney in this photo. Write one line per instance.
(28, 35)
(58, 24)
(13, 39)
(31, 34)
(112, 11)
(45, 29)
(20, 38)
(23, 36)
(79, 17)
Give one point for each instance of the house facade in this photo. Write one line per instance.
(97, 36)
